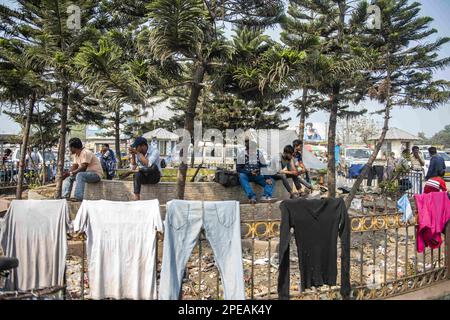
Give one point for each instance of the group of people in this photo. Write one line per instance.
(87, 168)
(291, 167)
(145, 163)
(34, 162)
(412, 161)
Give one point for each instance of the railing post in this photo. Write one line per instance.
(447, 249)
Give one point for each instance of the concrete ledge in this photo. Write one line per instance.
(435, 292)
(164, 191)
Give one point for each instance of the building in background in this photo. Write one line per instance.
(166, 140)
(396, 141)
(95, 139)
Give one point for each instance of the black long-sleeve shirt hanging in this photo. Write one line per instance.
(317, 224)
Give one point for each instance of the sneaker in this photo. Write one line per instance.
(268, 199)
(252, 200)
(294, 195)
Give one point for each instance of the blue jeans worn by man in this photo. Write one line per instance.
(245, 180)
(81, 179)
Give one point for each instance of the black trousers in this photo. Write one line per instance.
(284, 178)
(375, 171)
(298, 181)
(107, 175)
(149, 175)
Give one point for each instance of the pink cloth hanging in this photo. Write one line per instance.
(434, 213)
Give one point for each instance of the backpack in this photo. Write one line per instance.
(163, 163)
(226, 178)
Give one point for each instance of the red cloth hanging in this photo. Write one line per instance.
(434, 213)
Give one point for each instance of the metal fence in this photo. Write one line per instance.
(383, 258)
(8, 174)
(32, 176)
(411, 183)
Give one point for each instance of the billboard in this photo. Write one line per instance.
(314, 131)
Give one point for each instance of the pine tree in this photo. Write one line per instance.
(190, 31)
(44, 27)
(335, 64)
(408, 59)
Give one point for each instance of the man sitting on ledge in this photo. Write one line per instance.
(145, 164)
(251, 172)
(86, 168)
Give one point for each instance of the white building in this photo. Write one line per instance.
(396, 141)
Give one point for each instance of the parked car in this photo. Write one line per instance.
(444, 155)
(354, 155)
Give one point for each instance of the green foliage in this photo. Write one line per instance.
(441, 138)
(389, 187)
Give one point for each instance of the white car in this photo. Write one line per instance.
(426, 156)
(355, 155)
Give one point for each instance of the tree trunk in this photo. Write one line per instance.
(372, 158)
(41, 136)
(331, 174)
(196, 88)
(387, 115)
(301, 126)
(62, 141)
(23, 152)
(117, 136)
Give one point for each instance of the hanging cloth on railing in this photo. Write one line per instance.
(433, 214)
(221, 222)
(404, 207)
(121, 247)
(317, 224)
(34, 232)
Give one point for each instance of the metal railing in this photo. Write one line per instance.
(384, 261)
(411, 183)
(8, 174)
(32, 176)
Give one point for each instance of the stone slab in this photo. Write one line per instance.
(165, 191)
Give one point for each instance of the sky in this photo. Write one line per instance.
(410, 120)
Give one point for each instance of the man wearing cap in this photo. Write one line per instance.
(145, 163)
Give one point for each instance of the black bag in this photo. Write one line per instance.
(226, 178)
(404, 184)
(163, 163)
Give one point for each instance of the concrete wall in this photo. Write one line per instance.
(165, 191)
